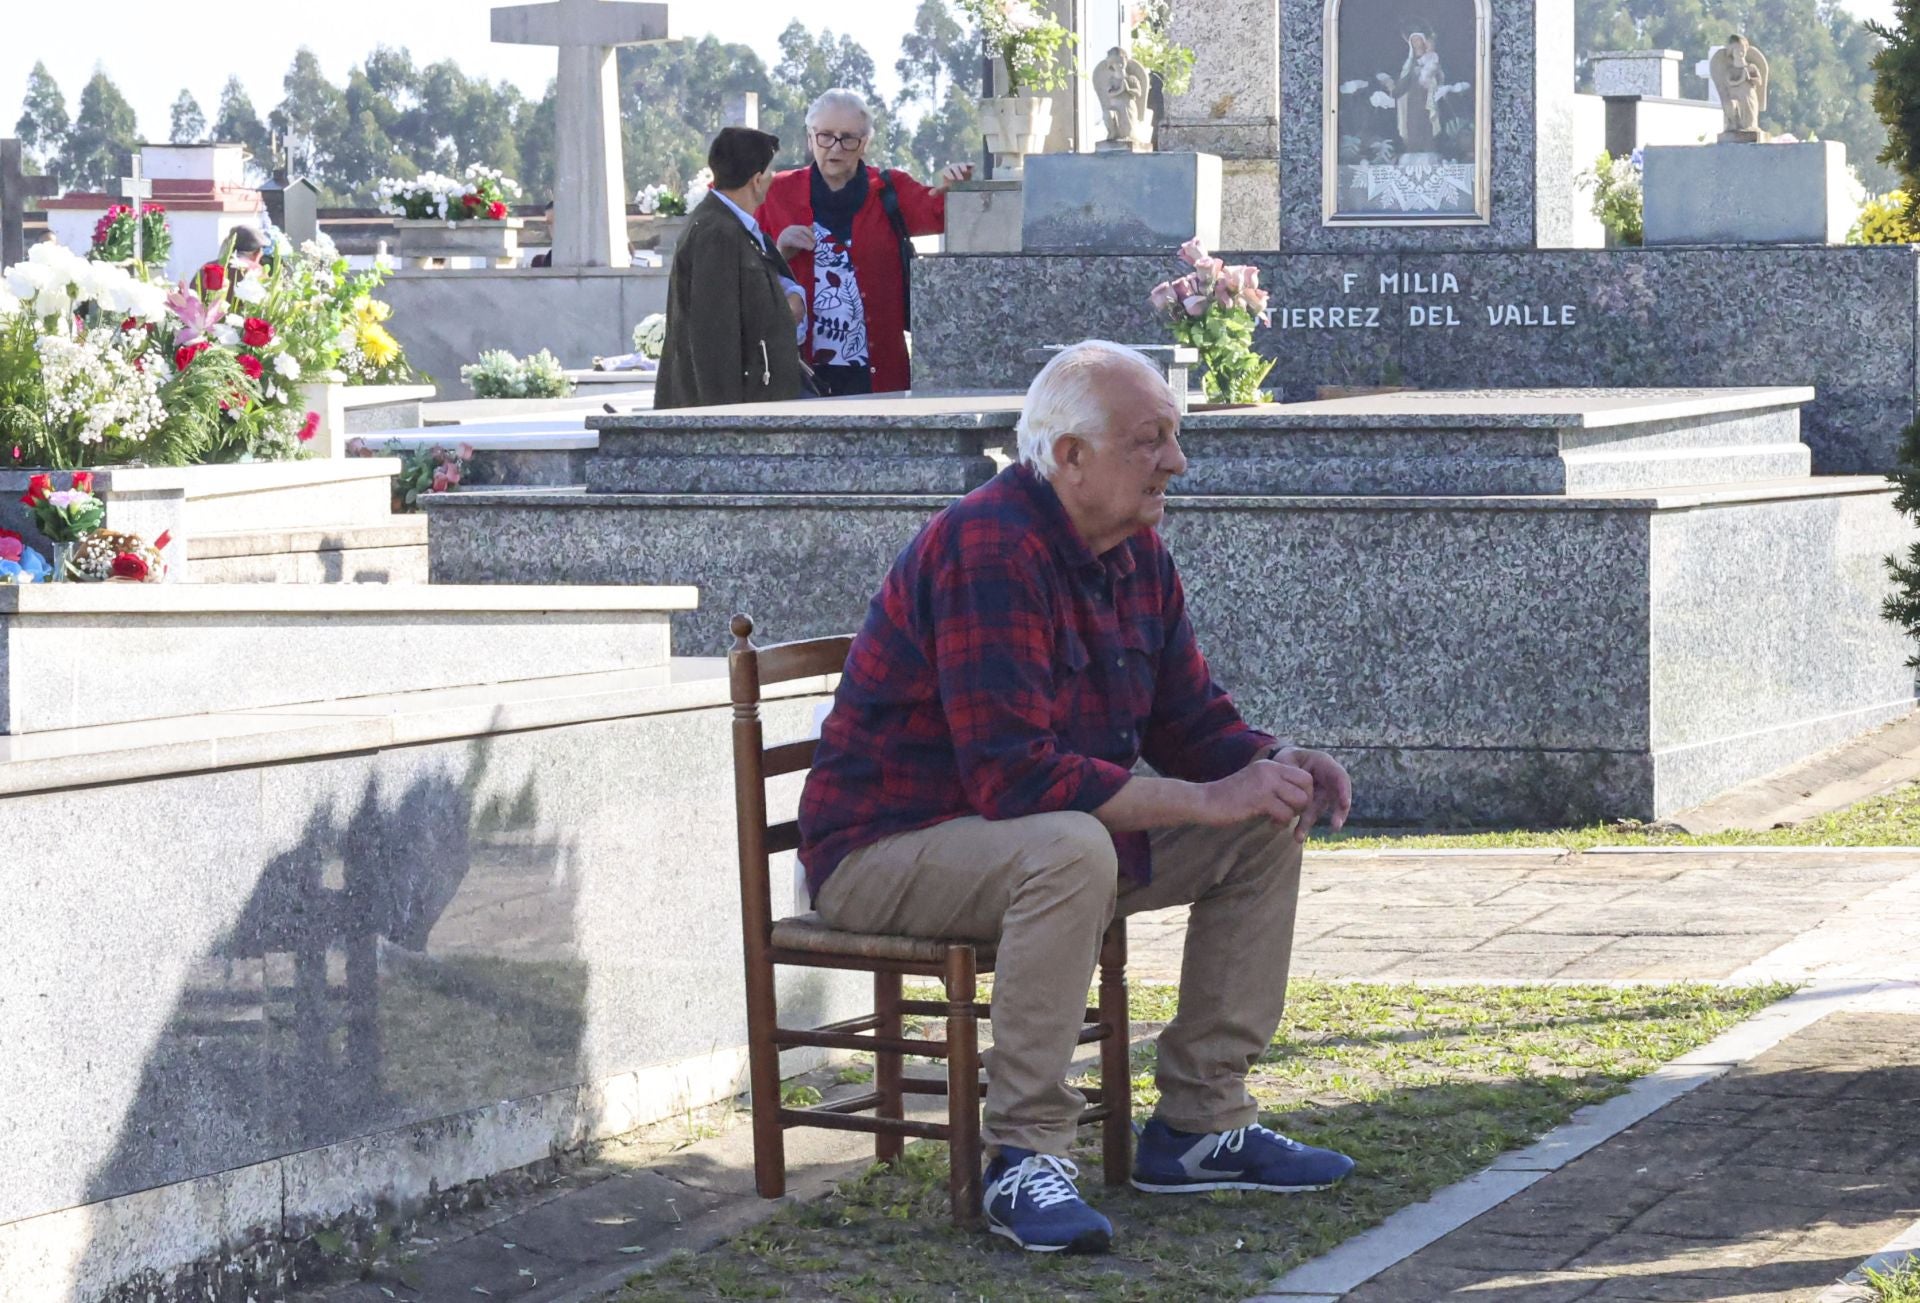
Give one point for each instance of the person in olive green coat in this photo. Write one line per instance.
(730, 322)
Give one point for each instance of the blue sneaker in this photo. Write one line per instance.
(1030, 1198)
(1247, 1158)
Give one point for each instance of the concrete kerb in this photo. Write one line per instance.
(1853, 1287)
(1413, 1228)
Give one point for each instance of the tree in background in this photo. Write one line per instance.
(811, 64)
(939, 70)
(104, 137)
(311, 120)
(189, 124)
(43, 124)
(235, 122)
(1820, 58)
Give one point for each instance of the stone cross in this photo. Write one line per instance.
(136, 188)
(589, 181)
(741, 109)
(15, 189)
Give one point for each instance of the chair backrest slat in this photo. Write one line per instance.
(783, 836)
(801, 660)
(788, 757)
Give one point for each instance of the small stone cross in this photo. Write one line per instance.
(15, 189)
(136, 188)
(589, 182)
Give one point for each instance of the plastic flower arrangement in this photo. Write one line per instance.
(650, 336)
(484, 195)
(20, 564)
(1213, 308)
(660, 201)
(422, 470)
(63, 515)
(1617, 197)
(113, 234)
(1026, 40)
(698, 187)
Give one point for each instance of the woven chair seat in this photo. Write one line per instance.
(806, 932)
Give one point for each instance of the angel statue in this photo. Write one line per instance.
(1739, 73)
(1120, 81)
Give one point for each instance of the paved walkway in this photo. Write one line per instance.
(1599, 916)
(1765, 1186)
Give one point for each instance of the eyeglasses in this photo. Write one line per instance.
(846, 140)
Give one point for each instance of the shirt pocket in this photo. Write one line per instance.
(1072, 690)
(1143, 641)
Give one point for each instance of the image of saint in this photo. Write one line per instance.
(1416, 92)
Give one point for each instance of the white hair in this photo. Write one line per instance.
(840, 98)
(1067, 397)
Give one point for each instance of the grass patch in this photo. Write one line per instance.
(1889, 820)
(1423, 1086)
(1901, 1285)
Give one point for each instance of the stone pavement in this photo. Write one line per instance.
(1610, 915)
(1599, 916)
(1764, 1186)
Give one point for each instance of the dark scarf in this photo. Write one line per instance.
(834, 209)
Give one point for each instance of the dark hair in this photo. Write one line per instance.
(245, 240)
(739, 154)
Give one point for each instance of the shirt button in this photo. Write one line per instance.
(1120, 662)
(1125, 733)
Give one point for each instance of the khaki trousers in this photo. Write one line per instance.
(1046, 886)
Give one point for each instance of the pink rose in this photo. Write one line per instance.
(1196, 305)
(1162, 297)
(440, 480)
(1250, 277)
(1223, 294)
(1192, 252)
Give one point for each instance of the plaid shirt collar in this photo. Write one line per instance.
(1061, 531)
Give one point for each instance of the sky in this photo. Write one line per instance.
(150, 54)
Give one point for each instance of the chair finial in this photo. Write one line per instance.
(742, 630)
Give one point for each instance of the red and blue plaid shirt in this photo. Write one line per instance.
(1004, 670)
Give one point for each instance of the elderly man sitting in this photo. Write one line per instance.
(975, 779)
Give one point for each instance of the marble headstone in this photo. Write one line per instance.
(1117, 202)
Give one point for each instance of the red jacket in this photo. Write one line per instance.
(876, 259)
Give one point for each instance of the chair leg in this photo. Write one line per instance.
(887, 1066)
(963, 1088)
(1116, 1067)
(763, 1076)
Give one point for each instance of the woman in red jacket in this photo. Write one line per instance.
(833, 228)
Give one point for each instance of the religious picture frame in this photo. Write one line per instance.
(1407, 137)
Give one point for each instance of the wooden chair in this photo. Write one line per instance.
(806, 941)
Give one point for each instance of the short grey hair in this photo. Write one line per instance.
(840, 98)
(1068, 398)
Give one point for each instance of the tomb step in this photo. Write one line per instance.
(392, 551)
(81, 655)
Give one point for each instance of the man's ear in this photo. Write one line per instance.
(1069, 451)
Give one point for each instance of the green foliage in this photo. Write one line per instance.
(187, 125)
(1821, 59)
(1153, 46)
(499, 374)
(236, 121)
(43, 124)
(938, 69)
(103, 139)
(1027, 41)
(1234, 370)
(1617, 198)
(1898, 1284)
(1885, 219)
(1896, 91)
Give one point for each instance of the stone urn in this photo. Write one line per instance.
(422, 241)
(1015, 126)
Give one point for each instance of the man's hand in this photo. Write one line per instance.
(795, 239)
(1264, 789)
(1332, 789)
(953, 172)
(797, 304)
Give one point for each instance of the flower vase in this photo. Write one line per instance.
(62, 563)
(1015, 126)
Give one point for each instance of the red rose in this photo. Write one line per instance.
(496, 210)
(310, 426)
(130, 324)
(213, 277)
(184, 355)
(258, 333)
(128, 566)
(471, 200)
(82, 482)
(251, 365)
(37, 488)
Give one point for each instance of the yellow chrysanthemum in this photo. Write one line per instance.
(379, 346)
(371, 312)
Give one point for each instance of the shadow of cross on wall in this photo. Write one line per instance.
(15, 189)
(589, 180)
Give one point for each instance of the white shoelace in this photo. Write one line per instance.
(1233, 1141)
(1047, 1179)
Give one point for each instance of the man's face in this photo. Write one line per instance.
(1114, 481)
(758, 187)
(846, 134)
